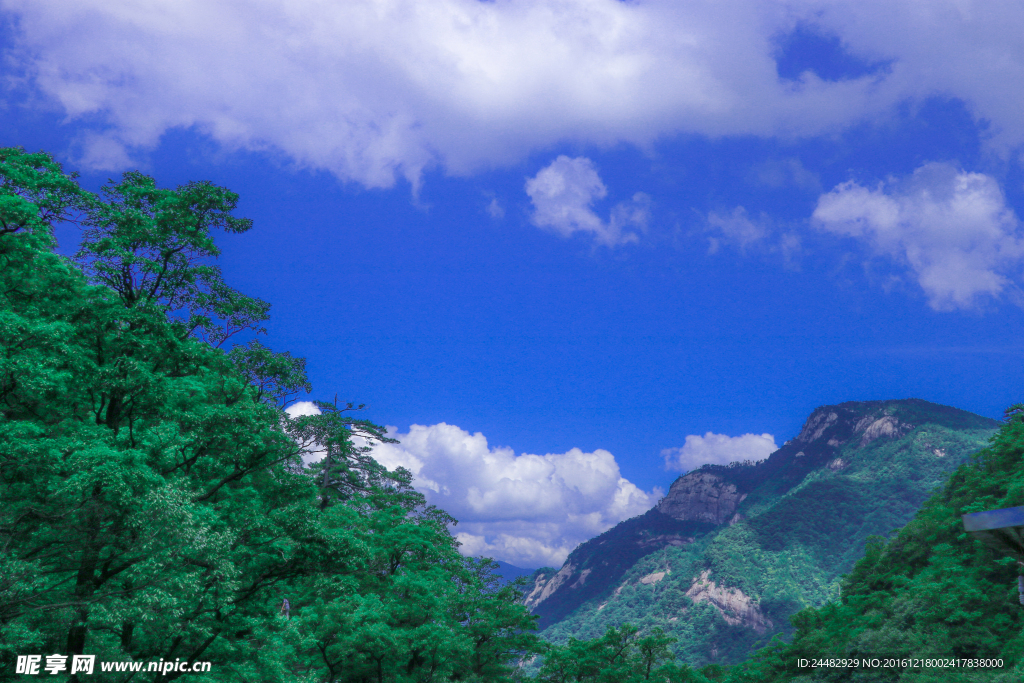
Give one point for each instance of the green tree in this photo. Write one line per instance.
(621, 655)
(155, 499)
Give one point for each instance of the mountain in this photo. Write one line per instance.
(938, 603)
(510, 572)
(731, 552)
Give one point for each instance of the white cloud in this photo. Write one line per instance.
(372, 90)
(950, 228)
(302, 408)
(718, 449)
(739, 230)
(495, 210)
(736, 228)
(788, 172)
(530, 510)
(562, 194)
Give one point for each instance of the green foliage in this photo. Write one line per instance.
(152, 246)
(621, 655)
(789, 552)
(155, 502)
(930, 591)
(608, 556)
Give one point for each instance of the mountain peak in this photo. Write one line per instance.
(701, 496)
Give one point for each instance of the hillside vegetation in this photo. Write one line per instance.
(752, 544)
(930, 591)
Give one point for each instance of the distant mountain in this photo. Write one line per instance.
(510, 572)
(731, 552)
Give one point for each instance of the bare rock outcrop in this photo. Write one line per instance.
(816, 426)
(544, 587)
(838, 424)
(582, 578)
(652, 578)
(701, 496)
(874, 427)
(733, 604)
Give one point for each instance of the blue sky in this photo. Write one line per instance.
(582, 245)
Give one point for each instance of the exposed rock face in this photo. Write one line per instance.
(544, 587)
(582, 578)
(816, 425)
(701, 496)
(652, 578)
(733, 604)
(887, 426)
(840, 424)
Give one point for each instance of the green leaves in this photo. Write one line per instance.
(35, 193)
(621, 655)
(155, 502)
(152, 247)
(274, 377)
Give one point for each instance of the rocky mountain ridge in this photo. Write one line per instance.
(840, 476)
(709, 495)
(701, 496)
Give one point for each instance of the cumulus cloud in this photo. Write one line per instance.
(718, 449)
(374, 90)
(951, 229)
(562, 194)
(529, 510)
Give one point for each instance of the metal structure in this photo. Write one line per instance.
(1003, 531)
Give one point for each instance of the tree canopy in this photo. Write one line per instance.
(156, 500)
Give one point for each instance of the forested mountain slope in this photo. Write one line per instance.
(931, 591)
(730, 553)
